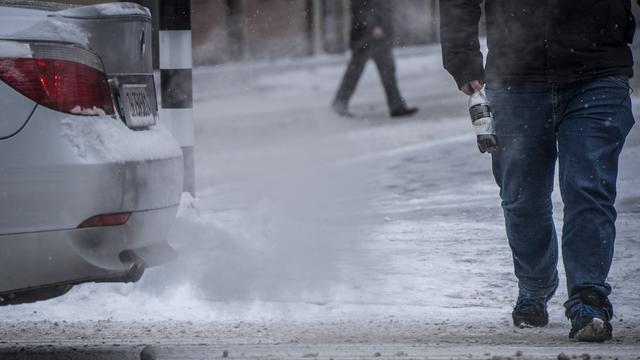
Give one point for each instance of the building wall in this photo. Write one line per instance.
(227, 30)
(209, 22)
(336, 22)
(275, 28)
(415, 22)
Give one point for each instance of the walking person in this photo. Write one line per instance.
(371, 38)
(557, 79)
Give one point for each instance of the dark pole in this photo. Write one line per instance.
(176, 73)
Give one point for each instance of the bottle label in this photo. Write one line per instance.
(484, 126)
(479, 111)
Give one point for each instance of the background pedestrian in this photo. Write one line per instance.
(371, 38)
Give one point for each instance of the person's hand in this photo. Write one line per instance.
(472, 86)
(377, 33)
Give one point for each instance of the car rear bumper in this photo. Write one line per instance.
(102, 254)
(62, 169)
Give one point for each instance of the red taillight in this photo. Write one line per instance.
(62, 85)
(105, 220)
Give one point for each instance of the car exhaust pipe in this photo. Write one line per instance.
(136, 265)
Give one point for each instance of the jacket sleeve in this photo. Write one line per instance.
(461, 56)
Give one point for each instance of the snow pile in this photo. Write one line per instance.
(13, 49)
(53, 29)
(94, 111)
(121, 9)
(104, 10)
(107, 139)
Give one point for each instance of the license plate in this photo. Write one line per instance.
(136, 106)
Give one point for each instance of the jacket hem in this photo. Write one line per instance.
(557, 79)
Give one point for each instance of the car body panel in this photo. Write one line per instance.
(16, 110)
(61, 179)
(81, 255)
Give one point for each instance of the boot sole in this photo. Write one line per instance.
(596, 331)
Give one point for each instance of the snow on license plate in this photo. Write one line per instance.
(136, 106)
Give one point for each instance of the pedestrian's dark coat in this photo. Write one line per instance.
(366, 15)
(538, 40)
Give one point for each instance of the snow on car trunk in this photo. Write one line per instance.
(102, 137)
(12, 49)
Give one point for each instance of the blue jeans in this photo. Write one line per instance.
(583, 126)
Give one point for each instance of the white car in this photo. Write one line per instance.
(89, 183)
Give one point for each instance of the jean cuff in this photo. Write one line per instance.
(544, 294)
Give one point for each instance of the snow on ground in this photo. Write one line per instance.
(313, 228)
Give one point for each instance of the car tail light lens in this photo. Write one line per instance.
(105, 220)
(64, 78)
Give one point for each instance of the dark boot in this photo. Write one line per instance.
(405, 111)
(341, 109)
(530, 313)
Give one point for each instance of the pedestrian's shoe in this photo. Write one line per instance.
(530, 312)
(590, 321)
(341, 109)
(405, 111)
(590, 329)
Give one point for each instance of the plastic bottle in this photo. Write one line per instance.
(482, 121)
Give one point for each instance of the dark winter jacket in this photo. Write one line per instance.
(537, 40)
(366, 15)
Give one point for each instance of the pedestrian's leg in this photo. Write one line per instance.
(591, 134)
(383, 57)
(350, 79)
(524, 167)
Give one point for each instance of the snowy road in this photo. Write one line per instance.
(320, 237)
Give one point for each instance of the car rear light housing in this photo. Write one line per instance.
(105, 220)
(64, 78)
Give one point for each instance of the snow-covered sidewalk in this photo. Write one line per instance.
(336, 231)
